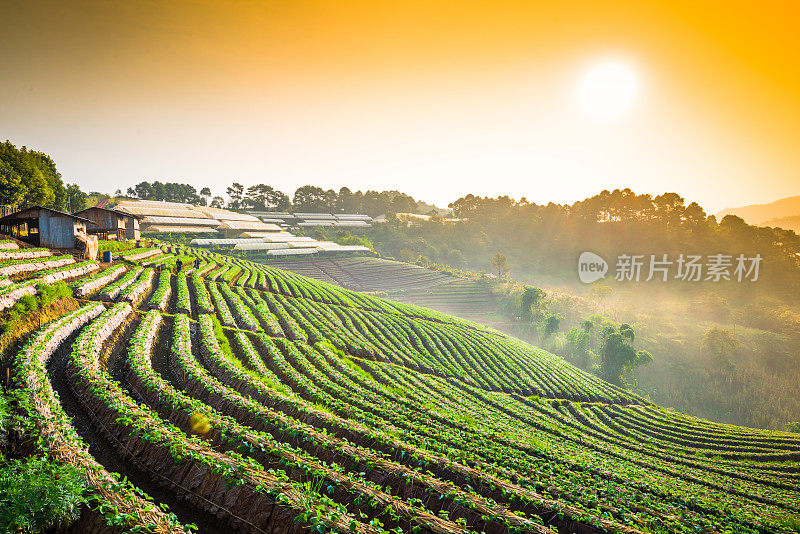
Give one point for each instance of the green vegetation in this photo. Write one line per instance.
(114, 246)
(46, 294)
(357, 414)
(28, 177)
(36, 494)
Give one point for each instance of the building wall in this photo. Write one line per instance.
(104, 219)
(132, 229)
(56, 231)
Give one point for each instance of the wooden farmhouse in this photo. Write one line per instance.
(45, 227)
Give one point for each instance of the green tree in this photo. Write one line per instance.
(348, 202)
(530, 298)
(264, 198)
(76, 199)
(578, 348)
(235, 193)
(500, 263)
(402, 203)
(38, 191)
(28, 177)
(719, 345)
(206, 194)
(551, 325)
(11, 188)
(313, 199)
(618, 357)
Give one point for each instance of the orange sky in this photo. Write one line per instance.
(438, 99)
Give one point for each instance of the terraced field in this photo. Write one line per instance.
(251, 399)
(403, 282)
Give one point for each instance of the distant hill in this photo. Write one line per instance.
(761, 214)
(787, 223)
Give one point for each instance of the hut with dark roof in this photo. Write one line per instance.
(112, 223)
(44, 227)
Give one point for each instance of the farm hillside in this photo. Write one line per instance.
(230, 396)
(404, 282)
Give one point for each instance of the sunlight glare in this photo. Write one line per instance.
(608, 89)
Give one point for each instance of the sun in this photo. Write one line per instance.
(608, 89)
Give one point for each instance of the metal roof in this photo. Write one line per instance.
(114, 211)
(155, 203)
(163, 212)
(249, 225)
(226, 241)
(180, 229)
(314, 216)
(225, 215)
(315, 223)
(292, 252)
(185, 221)
(261, 246)
(21, 214)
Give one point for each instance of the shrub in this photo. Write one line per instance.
(36, 494)
(29, 303)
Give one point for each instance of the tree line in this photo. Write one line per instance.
(30, 178)
(549, 238)
(263, 197)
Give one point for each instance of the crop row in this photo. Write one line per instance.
(160, 297)
(465, 417)
(416, 458)
(113, 290)
(116, 502)
(24, 253)
(90, 284)
(253, 498)
(138, 254)
(134, 292)
(12, 292)
(14, 267)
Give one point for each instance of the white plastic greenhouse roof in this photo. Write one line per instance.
(292, 252)
(180, 229)
(351, 248)
(261, 246)
(250, 225)
(353, 216)
(284, 238)
(315, 223)
(185, 221)
(229, 241)
(314, 216)
(358, 223)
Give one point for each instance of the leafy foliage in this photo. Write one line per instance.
(36, 494)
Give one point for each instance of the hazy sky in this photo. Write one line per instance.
(434, 98)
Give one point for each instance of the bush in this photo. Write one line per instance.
(114, 246)
(29, 303)
(36, 494)
(51, 293)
